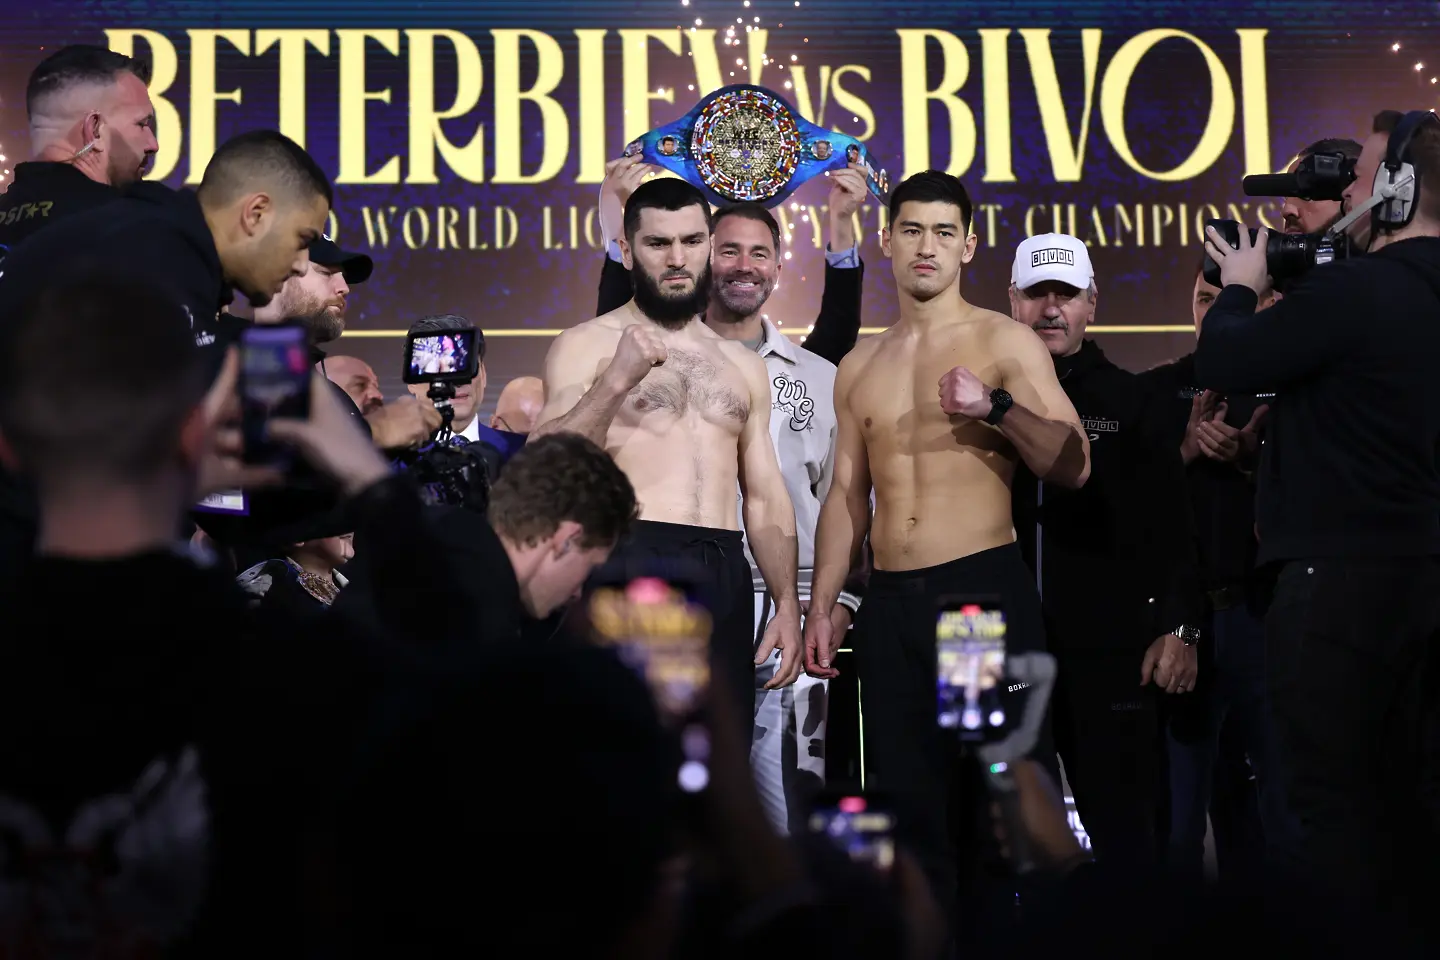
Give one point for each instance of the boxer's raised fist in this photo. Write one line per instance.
(964, 394)
(639, 350)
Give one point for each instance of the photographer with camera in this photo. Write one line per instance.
(1349, 511)
(1219, 743)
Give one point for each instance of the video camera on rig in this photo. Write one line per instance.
(1288, 256)
(442, 358)
(447, 471)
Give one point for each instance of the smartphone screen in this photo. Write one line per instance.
(970, 668)
(275, 380)
(661, 630)
(448, 357)
(862, 828)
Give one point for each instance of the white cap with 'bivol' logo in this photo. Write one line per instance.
(1052, 256)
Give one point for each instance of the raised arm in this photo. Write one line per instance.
(1041, 422)
(838, 325)
(622, 176)
(582, 393)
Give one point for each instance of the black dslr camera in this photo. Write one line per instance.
(454, 474)
(1320, 176)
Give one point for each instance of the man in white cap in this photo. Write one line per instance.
(1114, 562)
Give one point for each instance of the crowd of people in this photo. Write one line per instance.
(309, 711)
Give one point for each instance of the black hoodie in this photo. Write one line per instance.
(1348, 468)
(153, 234)
(44, 192)
(1117, 557)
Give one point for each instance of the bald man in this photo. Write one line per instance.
(92, 133)
(357, 379)
(519, 405)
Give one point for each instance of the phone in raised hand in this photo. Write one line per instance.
(275, 380)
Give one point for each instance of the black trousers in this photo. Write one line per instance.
(1350, 663)
(720, 556)
(941, 812)
(1107, 731)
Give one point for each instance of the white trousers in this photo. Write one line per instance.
(787, 751)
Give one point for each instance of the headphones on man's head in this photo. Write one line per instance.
(1396, 178)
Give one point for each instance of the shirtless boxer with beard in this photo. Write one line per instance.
(685, 413)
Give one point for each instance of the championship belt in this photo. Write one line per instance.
(744, 143)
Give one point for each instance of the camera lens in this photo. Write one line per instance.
(1288, 255)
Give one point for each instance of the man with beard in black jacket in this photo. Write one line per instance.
(1114, 561)
(1348, 510)
(167, 760)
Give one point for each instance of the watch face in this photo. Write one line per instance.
(999, 403)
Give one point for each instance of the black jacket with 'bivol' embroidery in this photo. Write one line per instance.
(1115, 560)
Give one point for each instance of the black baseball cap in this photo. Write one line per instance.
(356, 266)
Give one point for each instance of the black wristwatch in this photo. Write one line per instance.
(1188, 635)
(1000, 404)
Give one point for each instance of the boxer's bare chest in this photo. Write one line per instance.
(693, 383)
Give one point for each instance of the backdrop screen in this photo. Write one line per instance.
(467, 140)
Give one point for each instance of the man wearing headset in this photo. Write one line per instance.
(1348, 510)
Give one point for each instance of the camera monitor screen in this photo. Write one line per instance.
(446, 356)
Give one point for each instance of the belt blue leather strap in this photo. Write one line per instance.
(746, 143)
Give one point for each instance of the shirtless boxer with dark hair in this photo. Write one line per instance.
(935, 413)
(685, 413)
